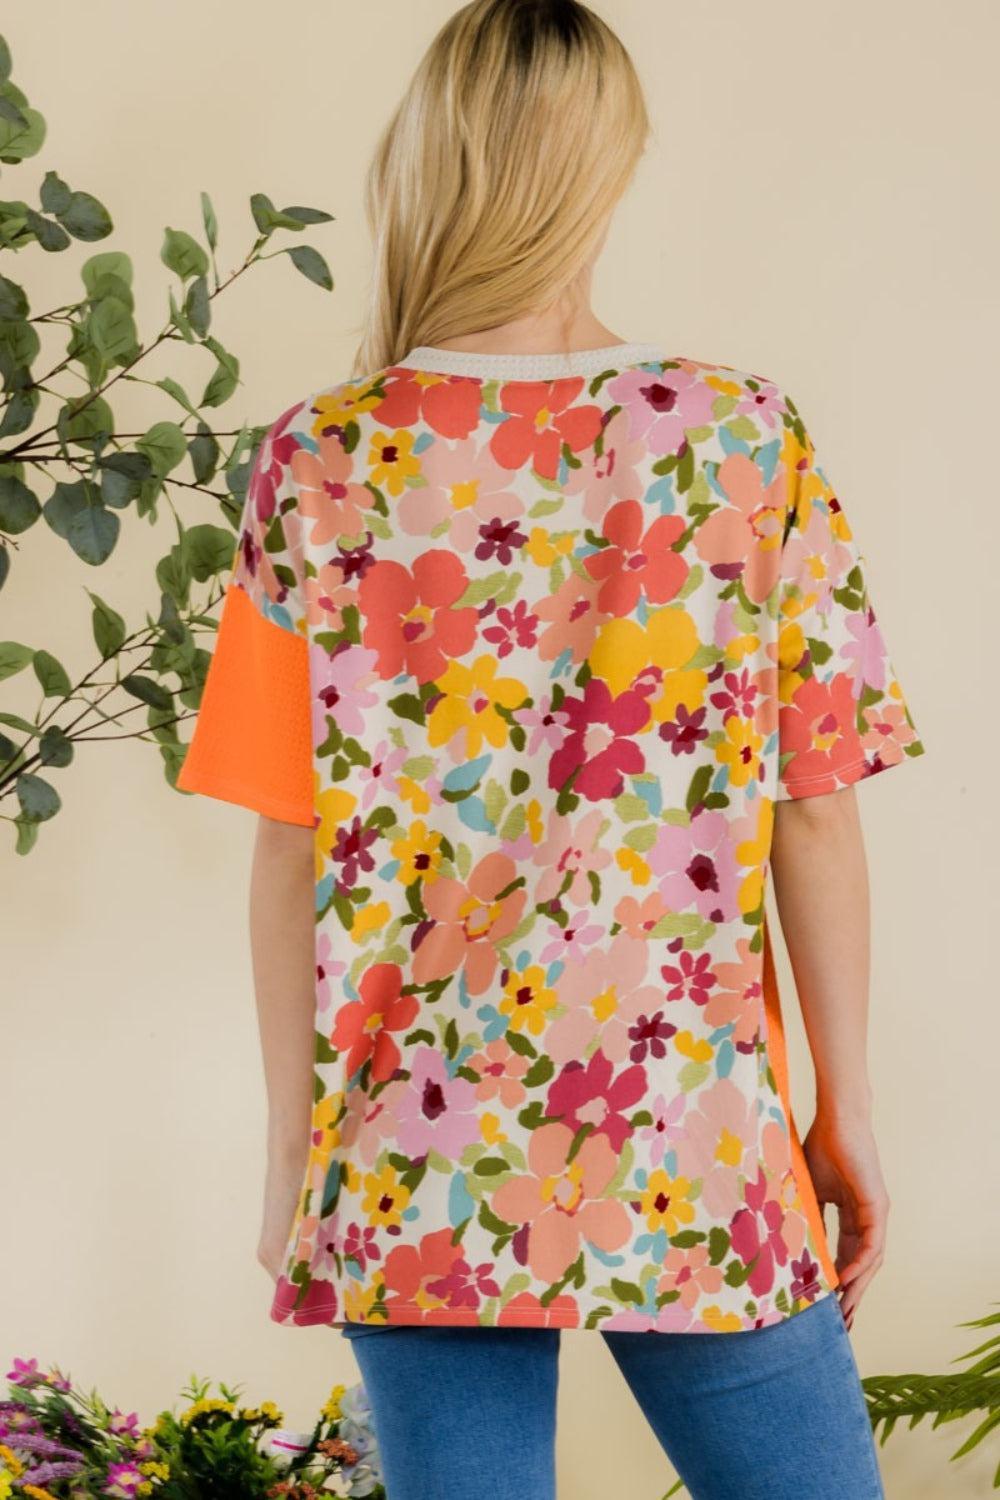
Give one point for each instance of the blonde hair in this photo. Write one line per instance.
(494, 178)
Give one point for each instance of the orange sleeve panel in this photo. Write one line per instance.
(252, 741)
(778, 1056)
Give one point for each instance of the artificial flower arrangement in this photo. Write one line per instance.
(58, 1442)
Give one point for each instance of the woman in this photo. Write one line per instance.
(542, 648)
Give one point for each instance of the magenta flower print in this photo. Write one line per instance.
(340, 688)
(756, 1235)
(436, 1110)
(598, 752)
(593, 1094)
(689, 977)
(661, 405)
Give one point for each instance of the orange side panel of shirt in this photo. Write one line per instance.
(252, 740)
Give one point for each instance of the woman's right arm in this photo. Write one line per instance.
(820, 881)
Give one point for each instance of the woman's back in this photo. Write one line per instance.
(564, 628)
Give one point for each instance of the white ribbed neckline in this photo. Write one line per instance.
(486, 366)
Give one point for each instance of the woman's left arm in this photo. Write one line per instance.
(282, 935)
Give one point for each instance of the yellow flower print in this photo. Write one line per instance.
(471, 695)
(333, 806)
(370, 919)
(489, 1128)
(664, 1202)
(391, 461)
(337, 409)
(543, 549)
(740, 749)
(419, 853)
(527, 1000)
(721, 1322)
(359, 1301)
(669, 640)
(535, 821)
(728, 1148)
(699, 1051)
(385, 1197)
(414, 794)
(633, 864)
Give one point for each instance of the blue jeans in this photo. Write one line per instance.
(772, 1413)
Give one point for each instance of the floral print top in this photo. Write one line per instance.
(533, 644)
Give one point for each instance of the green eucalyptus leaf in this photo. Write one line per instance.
(93, 533)
(14, 657)
(18, 413)
(86, 218)
(268, 218)
(13, 300)
(54, 194)
(10, 111)
(109, 266)
(179, 319)
(50, 235)
(84, 424)
(19, 507)
(182, 254)
(307, 215)
(52, 675)
(38, 799)
(66, 501)
(197, 306)
(208, 550)
(164, 444)
(108, 626)
(204, 452)
(209, 220)
(122, 476)
(112, 329)
(312, 265)
(19, 141)
(178, 392)
(4, 565)
(55, 748)
(5, 62)
(148, 690)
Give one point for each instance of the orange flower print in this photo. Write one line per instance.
(542, 418)
(410, 615)
(364, 1027)
(561, 1200)
(469, 919)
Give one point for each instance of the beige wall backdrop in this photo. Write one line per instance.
(820, 206)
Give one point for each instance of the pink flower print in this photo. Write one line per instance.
(327, 496)
(500, 1070)
(572, 941)
(665, 1128)
(756, 1235)
(764, 405)
(560, 1201)
(546, 725)
(638, 918)
(866, 650)
(611, 475)
(638, 563)
(464, 1285)
(543, 416)
(340, 688)
(743, 539)
(467, 488)
(719, 1145)
(661, 405)
(328, 967)
(327, 1246)
(470, 919)
(690, 1273)
(584, 1094)
(326, 596)
(604, 996)
(573, 616)
(436, 1110)
(598, 751)
(570, 848)
(697, 867)
(738, 997)
(379, 779)
(673, 1317)
(690, 977)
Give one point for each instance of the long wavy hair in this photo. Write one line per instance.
(493, 181)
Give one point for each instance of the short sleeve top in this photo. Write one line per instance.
(533, 644)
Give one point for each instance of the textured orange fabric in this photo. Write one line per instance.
(778, 1056)
(252, 741)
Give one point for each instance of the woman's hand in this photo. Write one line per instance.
(286, 1166)
(843, 1162)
